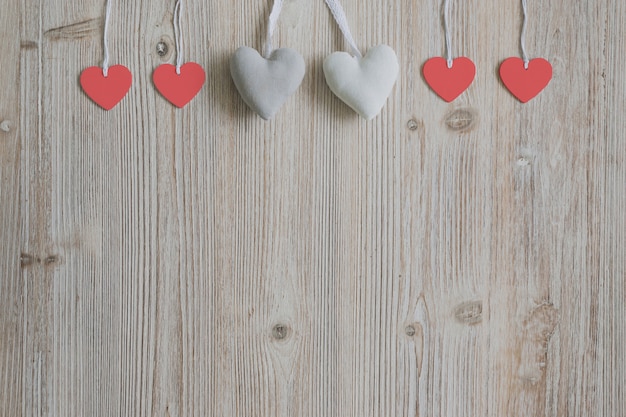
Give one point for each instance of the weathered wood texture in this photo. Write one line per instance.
(463, 259)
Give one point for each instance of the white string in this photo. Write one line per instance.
(446, 10)
(105, 62)
(342, 21)
(178, 36)
(271, 27)
(522, 38)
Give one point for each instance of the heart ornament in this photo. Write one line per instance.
(449, 83)
(106, 85)
(525, 83)
(106, 91)
(179, 89)
(181, 82)
(265, 84)
(363, 83)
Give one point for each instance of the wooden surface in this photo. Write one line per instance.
(463, 259)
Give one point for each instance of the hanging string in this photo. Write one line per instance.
(522, 38)
(337, 12)
(342, 21)
(446, 11)
(105, 62)
(179, 37)
(271, 27)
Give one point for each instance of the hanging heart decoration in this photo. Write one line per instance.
(265, 84)
(525, 83)
(448, 77)
(181, 82)
(105, 85)
(449, 83)
(179, 88)
(106, 91)
(363, 83)
(524, 77)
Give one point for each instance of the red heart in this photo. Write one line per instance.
(449, 83)
(179, 89)
(106, 91)
(525, 83)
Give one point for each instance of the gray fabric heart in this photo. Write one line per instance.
(363, 83)
(265, 84)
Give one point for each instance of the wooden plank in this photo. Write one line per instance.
(11, 257)
(442, 259)
(605, 344)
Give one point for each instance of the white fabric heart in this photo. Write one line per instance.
(265, 84)
(363, 83)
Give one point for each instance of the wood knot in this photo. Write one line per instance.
(415, 126)
(414, 330)
(538, 327)
(461, 120)
(51, 260)
(469, 312)
(541, 322)
(5, 126)
(27, 45)
(163, 48)
(27, 260)
(281, 331)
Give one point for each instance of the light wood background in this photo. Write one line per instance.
(463, 259)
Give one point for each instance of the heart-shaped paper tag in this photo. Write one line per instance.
(106, 91)
(179, 89)
(363, 83)
(449, 83)
(265, 84)
(525, 83)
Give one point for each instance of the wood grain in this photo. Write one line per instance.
(441, 260)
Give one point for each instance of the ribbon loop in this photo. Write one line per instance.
(338, 14)
(271, 27)
(340, 17)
